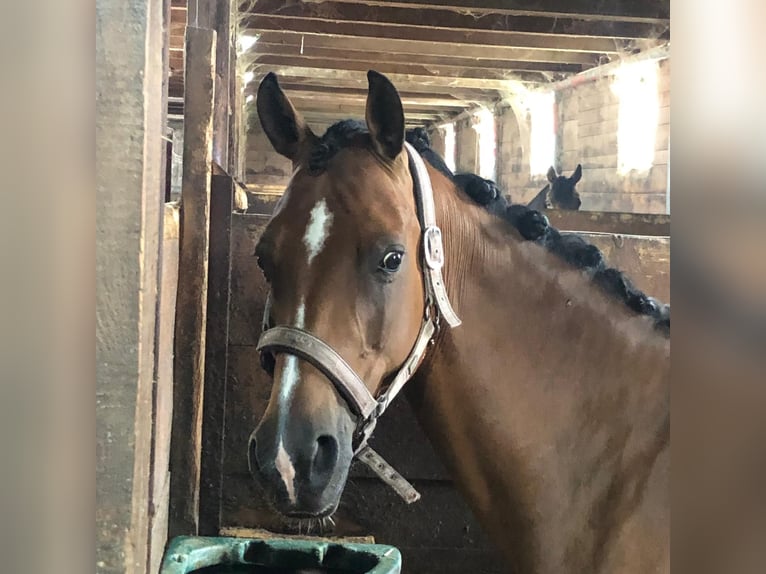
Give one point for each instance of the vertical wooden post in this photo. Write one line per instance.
(236, 109)
(163, 388)
(216, 352)
(223, 60)
(191, 307)
(128, 188)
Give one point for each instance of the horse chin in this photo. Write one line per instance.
(304, 514)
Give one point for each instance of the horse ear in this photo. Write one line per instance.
(552, 174)
(285, 127)
(577, 174)
(384, 115)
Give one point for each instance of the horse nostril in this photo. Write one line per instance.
(325, 456)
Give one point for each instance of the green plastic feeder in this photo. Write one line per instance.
(223, 555)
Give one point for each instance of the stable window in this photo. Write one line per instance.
(485, 127)
(542, 152)
(636, 86)
(449, 146)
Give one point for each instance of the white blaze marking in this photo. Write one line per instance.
(318, 229)
(290, 376)
(290, 370)
(286, 470)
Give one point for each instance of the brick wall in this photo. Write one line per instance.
(587, 134)
(513, 172)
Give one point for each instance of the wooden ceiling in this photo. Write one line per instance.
(444, 56)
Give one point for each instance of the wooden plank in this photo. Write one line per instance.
(128, 122)
(330, 117)
(192, 282)
(224, 51)
(236, 106)
(645, 260)
(261, 534)
(442, 64)
(651, 11)
(163, 391)
(417, 101)
(443, 49)
(262, 203)
(520, 71)
(248, 288)
(625, 223)
(260, 23)
(466, 97)
(326, 101)
(405, 81)
(354, 81)
(222, 191)
(449, 21)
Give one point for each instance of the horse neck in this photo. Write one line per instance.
(549, 403)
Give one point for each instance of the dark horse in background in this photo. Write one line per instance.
(559, 193)
(549, 404)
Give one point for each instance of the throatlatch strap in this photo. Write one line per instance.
(433, 248)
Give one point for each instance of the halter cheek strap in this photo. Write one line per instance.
(367, 408)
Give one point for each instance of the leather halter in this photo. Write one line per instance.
(366, 407)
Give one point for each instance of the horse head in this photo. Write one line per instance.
(341, 255)
(562, 193)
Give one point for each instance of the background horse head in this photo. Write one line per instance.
(560, 193)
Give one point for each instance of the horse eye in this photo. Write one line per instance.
(391, 261)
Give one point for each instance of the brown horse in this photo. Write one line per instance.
(549, 404)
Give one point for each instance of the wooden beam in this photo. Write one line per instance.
(357, 106)
(415, 102)
(657, 53)
(128, 121)
(427, 71)
(445, 48)
(222, 192)
(450, 21)
(404, 81)
(647, 11)
(223, 69)
(339, 112)
(355, 87)
(259, 23)
(191, 307)
(603, 222)
(414, 69)
(433, 62)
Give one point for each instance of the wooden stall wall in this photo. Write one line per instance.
(265, 170)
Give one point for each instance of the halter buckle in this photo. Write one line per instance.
(433, 247)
